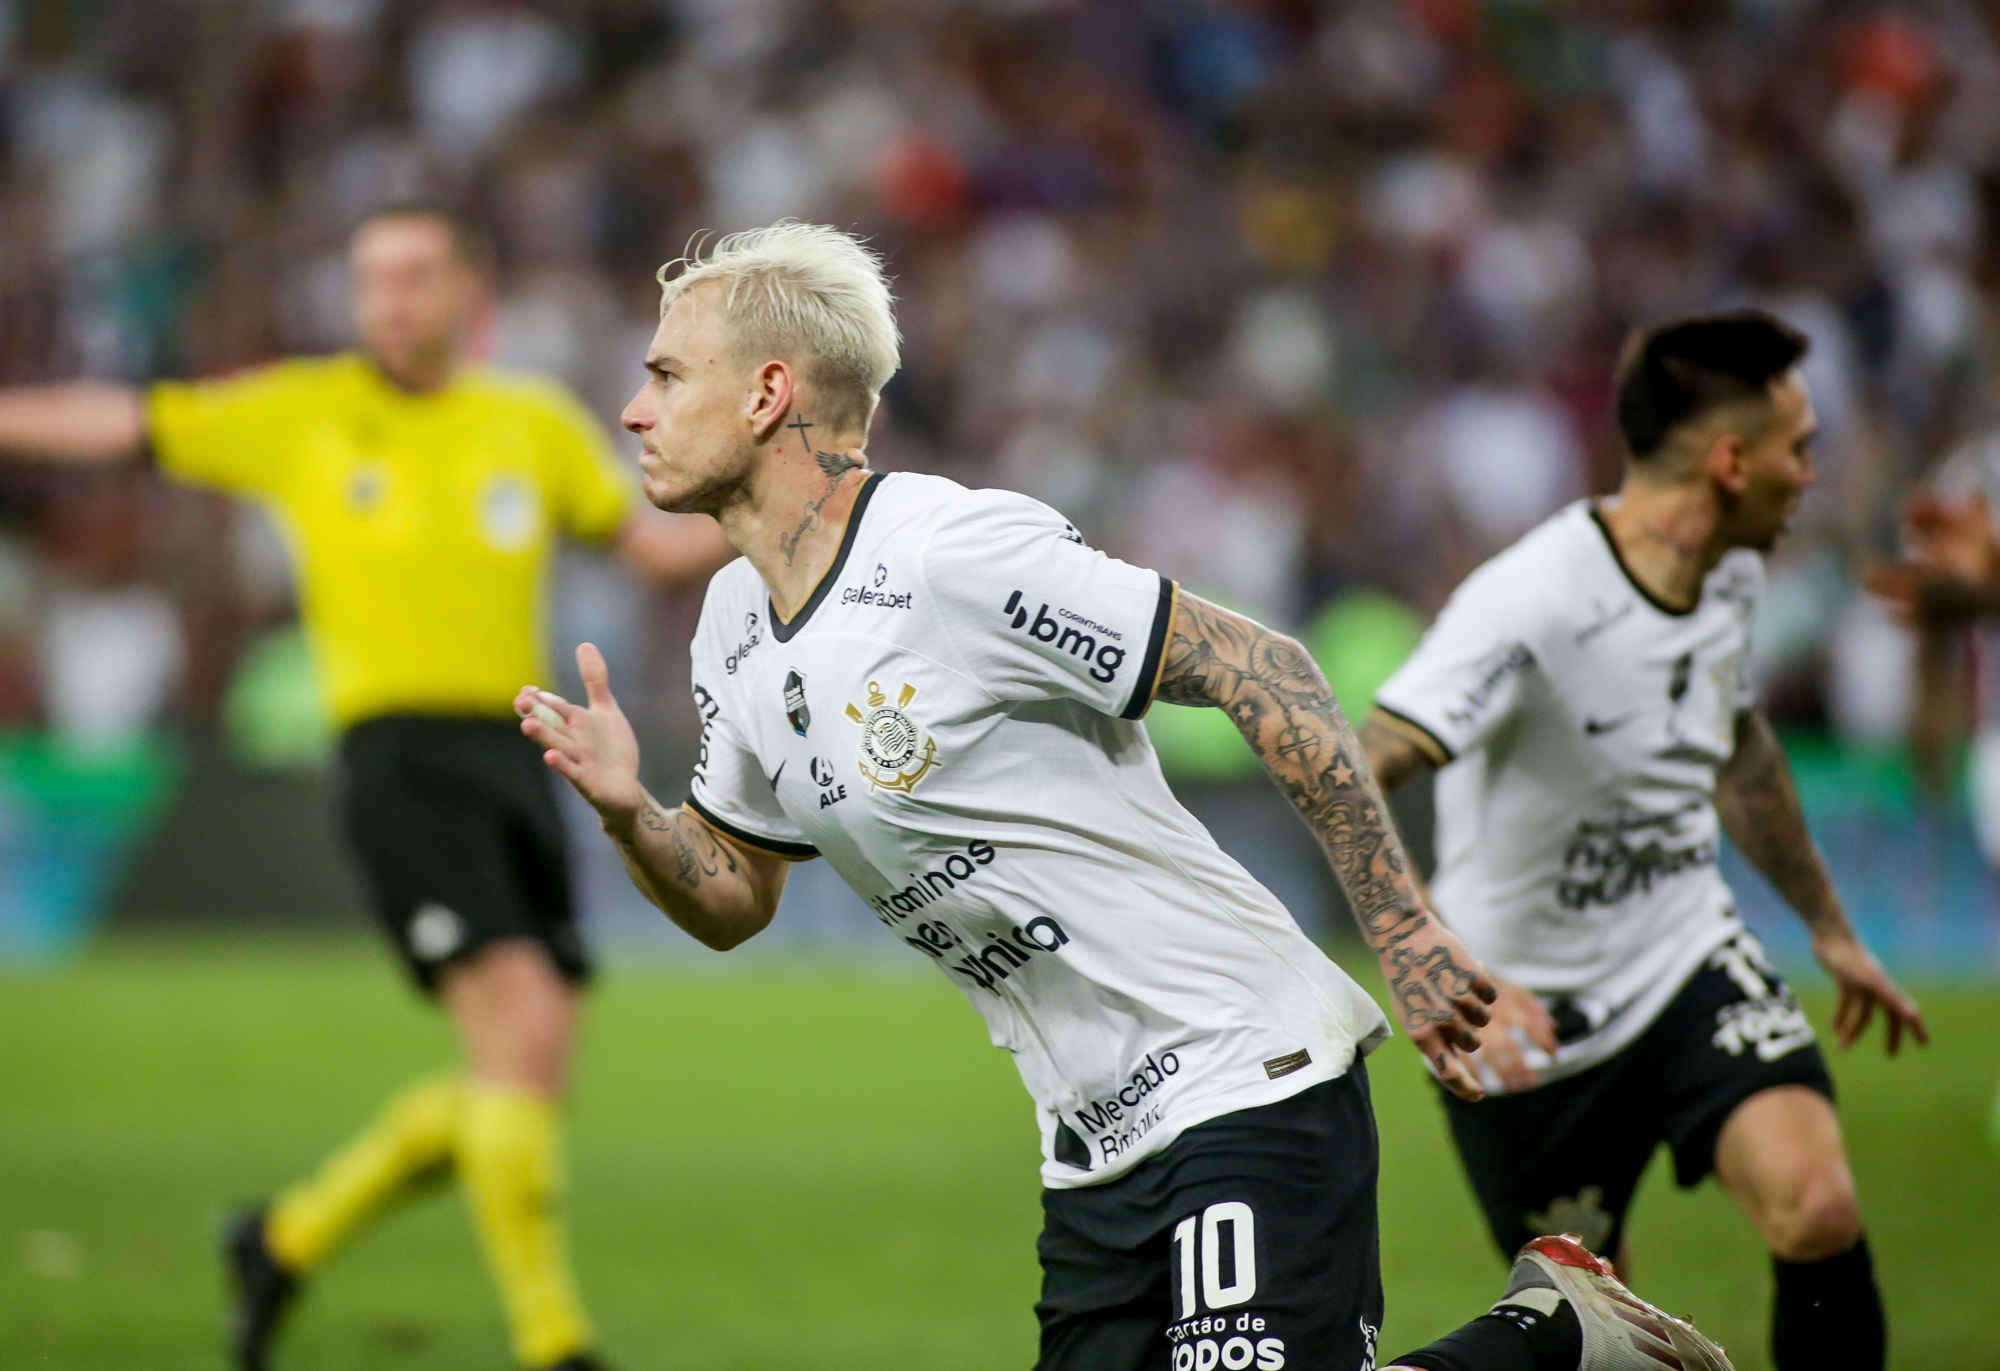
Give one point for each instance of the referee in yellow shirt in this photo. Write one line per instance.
(421, 496)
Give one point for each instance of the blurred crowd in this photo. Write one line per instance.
(1290, 298)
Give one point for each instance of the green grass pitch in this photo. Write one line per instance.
(779, 1167)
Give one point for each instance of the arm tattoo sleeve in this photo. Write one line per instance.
(692, 851)
(1281, 704)
(1760, 811)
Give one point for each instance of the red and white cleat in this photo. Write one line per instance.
(1621, 1332)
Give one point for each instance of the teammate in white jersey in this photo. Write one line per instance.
(937, 689)
(1588, 697)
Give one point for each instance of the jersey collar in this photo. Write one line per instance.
(782, 630)
(1611, 546)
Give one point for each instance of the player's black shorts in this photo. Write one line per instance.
(1566, 1157)
(1250, 1241)
(456, 828)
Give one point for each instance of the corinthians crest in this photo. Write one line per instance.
(895, 752)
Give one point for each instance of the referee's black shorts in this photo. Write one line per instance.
(455, 824)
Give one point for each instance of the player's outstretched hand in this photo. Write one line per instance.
(1441, 993)
(1954, 537)
(1862, 985)
(593, 747)
(1515, 1007)
(1953, 565)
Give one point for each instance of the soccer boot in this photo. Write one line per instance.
(260, 1290)
(1621, 1332)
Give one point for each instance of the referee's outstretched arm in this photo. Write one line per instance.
(717, 889)
(1274, 693)
(79, 423)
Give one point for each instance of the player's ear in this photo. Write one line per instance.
(1727, 460)
(769, 398)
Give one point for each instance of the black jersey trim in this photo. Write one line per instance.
(1155, 660)
(796, 852)
(1418, 735)
(783, 631)
(1611, 544)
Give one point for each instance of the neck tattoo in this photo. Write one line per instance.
(833, 465)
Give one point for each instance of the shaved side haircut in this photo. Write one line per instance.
(1680, 371)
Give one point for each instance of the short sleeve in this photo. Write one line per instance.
(730, 793)
(1464, 679)
(228, 434)
(1747, 591)
(594, 491)
(1035, 614)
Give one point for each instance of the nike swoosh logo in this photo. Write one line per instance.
(1596, 726)
(1584, 635)
(779, 772)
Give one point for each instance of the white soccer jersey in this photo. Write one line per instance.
(950, 720)
(1583, 723)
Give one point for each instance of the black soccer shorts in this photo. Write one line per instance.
(1250, 1241)
(455, 824)
(1567, 1156)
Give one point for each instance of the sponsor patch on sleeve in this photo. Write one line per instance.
(1287, 1064)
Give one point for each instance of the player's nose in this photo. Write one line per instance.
(634, 418)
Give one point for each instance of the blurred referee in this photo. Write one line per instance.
(421, 495)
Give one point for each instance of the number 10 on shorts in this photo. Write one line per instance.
(1215, 1268)
(1221, 1244)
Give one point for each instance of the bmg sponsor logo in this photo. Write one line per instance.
(1066, 633)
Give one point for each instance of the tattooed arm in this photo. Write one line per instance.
(1759, 808)
(1396, 751)
(1270, 688)
(721, 891)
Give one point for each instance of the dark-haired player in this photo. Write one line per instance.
(1587, 696)
(422, 495)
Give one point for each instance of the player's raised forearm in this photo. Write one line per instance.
(1760, 811)
(82, 422)
(674, 549)
(1272, 689)
(718, 894)
(717, 891)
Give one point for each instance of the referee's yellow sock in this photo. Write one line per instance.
(509, 1150)
(410, 1144)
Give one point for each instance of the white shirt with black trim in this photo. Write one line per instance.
(951, 721)
(1579, 724)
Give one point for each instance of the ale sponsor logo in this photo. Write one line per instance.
(831, 792)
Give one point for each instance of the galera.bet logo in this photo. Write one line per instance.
(896, 752)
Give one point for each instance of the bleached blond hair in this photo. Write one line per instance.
(804, 293)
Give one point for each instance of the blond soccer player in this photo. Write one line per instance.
(938, 690)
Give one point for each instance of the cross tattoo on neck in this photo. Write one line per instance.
(802, 424)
